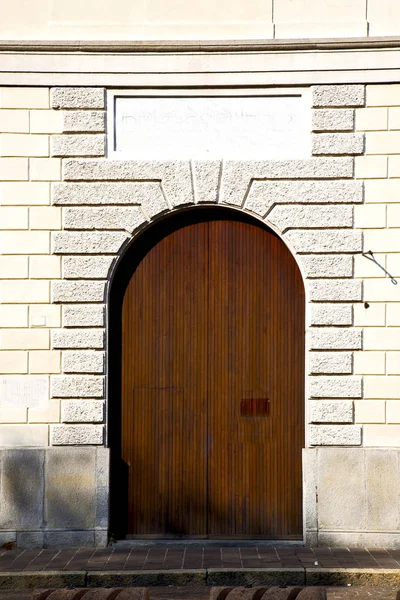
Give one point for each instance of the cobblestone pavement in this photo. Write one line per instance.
(202, 593)
(164, 557)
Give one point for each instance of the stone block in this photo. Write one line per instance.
(101, 538)
(331, 411)
(70, 539)
(44, 315)
(129, 219)
(329, 119)
(338, 144)
(81, 411)
(78, 338)
(331, 314)
(14, 436)
(28, 540)
(13, 315)
(13, 121)
(335, 387)
(369, 411)
(335, 339)
(371, 119)
(175, 176)
(45, 217)
(83, 121)
(371, 216)
(45, 121)
(13, 362)
(44, 361)
(338, 95)
(264, 194)
(238, 176)
(25, 242)
(23, 292)
(92, 242)
(325, 363)
(45, 267)
(335, 435)
(78, 97)
(49, 413)
(102, 483)
(77, 435)
(22, 488)
(310, 489)
(75, 386)
(83, 362)
(70, 500)
(13, 169)
(77, 145)
(78, 291)
(23, 144)
(13, 217)
(147, 194)
(382, 387)
(324, 241)
(341, 477)
(382, 338)
(13, 267)
(22, 193)
(84, 316)
(373, 316)
(29, 339)
(371, 167)
(383, 436)
(369, 363)
(207, 176)
(87, 267)
(339, 290)
(327, 266)
(286, 217)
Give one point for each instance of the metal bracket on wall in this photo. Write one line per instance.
(370, 256)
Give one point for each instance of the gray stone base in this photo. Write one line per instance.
(351, 497)
(54, 497)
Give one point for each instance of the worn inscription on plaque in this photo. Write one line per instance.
(31, 390)
(237, 128)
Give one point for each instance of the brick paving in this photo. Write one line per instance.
(175, 557)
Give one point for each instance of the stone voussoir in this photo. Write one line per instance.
(335, 387)
(80, 315)
(78, 97)
(91, 144)
(331, 411)
(338, 290)
(335, 339)
(65, 435)
(83, 361)
(264, 194)
(82, 411)
(331, 314)
(338, 95)
(327, 363)
(325, 241)
(286, 217)
(335, 435)
(78, 291)
(78, 338)
(87, 267)
(129, 219)
(331, 119)
(83, 121)
(89, 242)
(76, 386)
(338, 143)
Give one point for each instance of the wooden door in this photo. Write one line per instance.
(213, 383)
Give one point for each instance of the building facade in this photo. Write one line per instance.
(83, 190)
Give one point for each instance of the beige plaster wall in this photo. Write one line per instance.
(203, 19)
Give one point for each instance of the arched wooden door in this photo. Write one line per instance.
(213, 383)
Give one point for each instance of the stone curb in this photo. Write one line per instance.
(146, 578)
(255, 577)
(371, 577)
(207, 577)
(42, 579)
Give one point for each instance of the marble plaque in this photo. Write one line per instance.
(30, 390)
(236, 128)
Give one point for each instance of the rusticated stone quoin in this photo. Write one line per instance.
(338, 95)
(126, 218)
(325, 241)
(77, 145)
(335, 387)
(83, 362)
(327, 266)
(75, 386)
(335, 291)
(326, 363)
(78, 338)
(84, 121)
(330, 119)
(81, 315)
(338, 143)
(292, 217)
(66, 435)
(331, 314)
(78, 97)
(87, 267)
(335, 339)
(335, 435)
(94, 242)
(331, 411)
